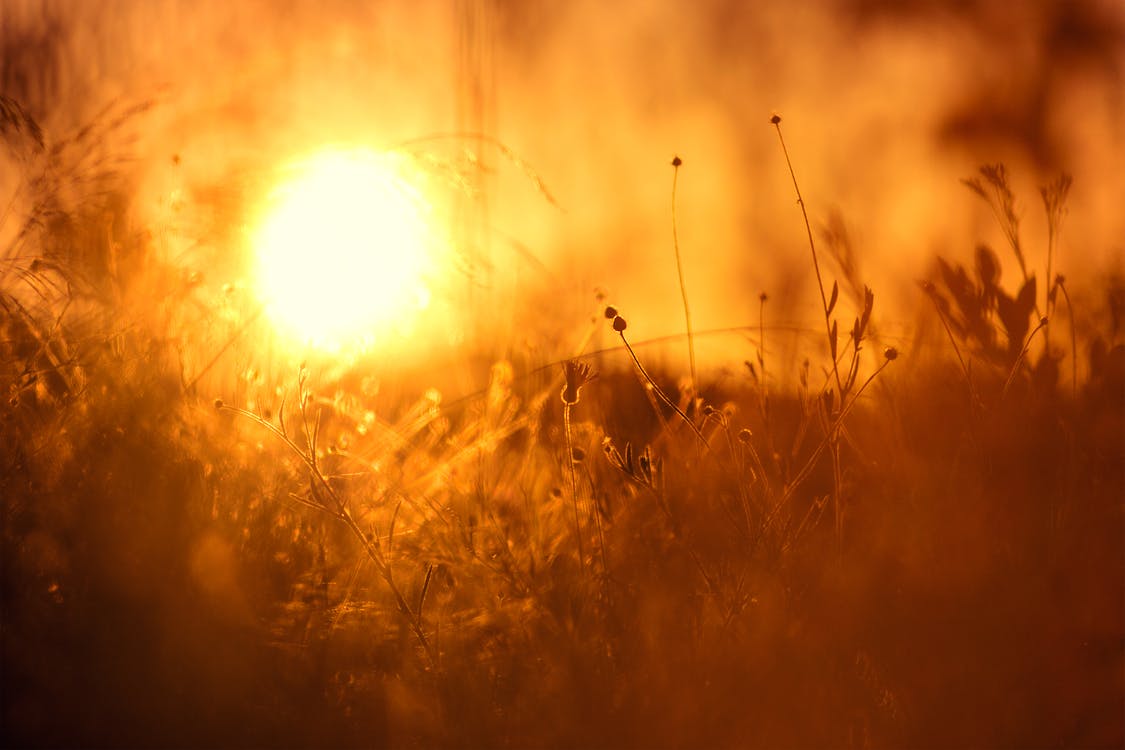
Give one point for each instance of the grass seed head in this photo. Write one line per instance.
(619, 324)
(576, 374)
(611, 312)
(890, 353)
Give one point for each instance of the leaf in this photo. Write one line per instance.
(868, 306)
(963, 291)
(1015, 318)
(1025, 300)
(425, 589)
(750, 367)
(974, 184)
(832, 340)
(988, 268)
(835, 296)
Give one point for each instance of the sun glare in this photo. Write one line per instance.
(343, 249)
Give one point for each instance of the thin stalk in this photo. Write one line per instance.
(807, 469)
(956, 349)
(762, 343)
(837, 487)
(223, 349)
(573, 484)
(1073, 336)
(812, 246)
(1047, 303)
(660, 393)
(1054, 203)
(683, 287)
(765, 395)
(1021, 357)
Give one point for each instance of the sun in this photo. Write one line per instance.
(343, 249)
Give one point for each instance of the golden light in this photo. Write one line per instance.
(343, 249)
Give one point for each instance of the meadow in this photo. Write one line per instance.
(891, 543)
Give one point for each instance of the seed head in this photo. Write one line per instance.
(218, 403)
(577, 455)
(576, 374)
(775, 119)
(744, 435)
(890, 353)
(677, 161)
(611, 312)
(619, 324)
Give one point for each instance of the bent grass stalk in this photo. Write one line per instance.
(1022, 355)
(619, 325)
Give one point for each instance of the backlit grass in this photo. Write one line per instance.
(900, 544)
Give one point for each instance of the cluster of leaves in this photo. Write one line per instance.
(973, 306)
(978, 313)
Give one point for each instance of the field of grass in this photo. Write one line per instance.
(204, 545)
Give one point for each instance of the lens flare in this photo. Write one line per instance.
(343, 250)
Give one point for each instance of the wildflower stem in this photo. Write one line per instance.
(812, 246)
(1022, 356)
(660, 393)
(683, 287)
(573, 483)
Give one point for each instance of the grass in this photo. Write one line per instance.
(884, 550)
